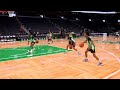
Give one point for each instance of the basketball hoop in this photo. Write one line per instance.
(11, 13)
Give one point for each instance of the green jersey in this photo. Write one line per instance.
(31, 38)
(88, 39)
(71, 37)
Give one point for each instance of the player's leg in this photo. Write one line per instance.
(86, 55)
(28, 39)
(52, 40)
(48, 41)
(67, 47)
(117, 36)
(99, 62)
(94, 55)
(76, 50)
(73, 45)
(32, 46)
(28, 42)
(69, 44)
(86, 59)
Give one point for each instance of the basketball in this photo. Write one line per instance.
(37, 41)
(81, 45)
(70, 47)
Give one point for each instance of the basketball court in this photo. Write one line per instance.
(49, 61)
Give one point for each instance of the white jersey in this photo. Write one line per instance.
(49, 36)
(117, 33)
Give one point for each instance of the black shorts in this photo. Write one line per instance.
(49, 39)
(72, 43)
(117, 35)
(91, 50)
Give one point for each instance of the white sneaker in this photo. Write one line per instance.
(30, 51)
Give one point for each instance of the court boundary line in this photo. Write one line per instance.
(79, 70)
(112, 54)
(112, 74)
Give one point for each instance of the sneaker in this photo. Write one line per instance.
(30, 51)
(99, 64)
(30, 54)
(85, 60)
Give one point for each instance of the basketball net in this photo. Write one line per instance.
(11, 13)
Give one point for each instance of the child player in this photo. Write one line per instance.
(91, 48)
(32, 40)
(71, 43)
(49, 36)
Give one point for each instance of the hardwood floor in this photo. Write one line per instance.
(64, 66)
